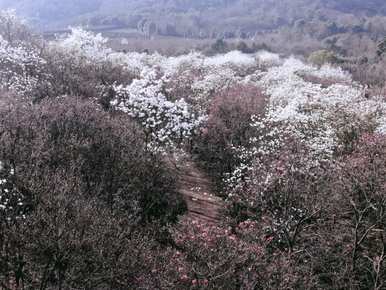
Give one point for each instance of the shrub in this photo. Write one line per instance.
(69, 74)
(326, 223)
(72, 145)
(14, 29)
(219, 46)
(218, 258)
(280, 191)
(322, 57)
(359, 202)
(228, 126)
(69, 242)
(78, 190)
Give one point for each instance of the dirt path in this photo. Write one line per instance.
(197, 189)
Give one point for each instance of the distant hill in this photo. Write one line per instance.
(245, 15)
(336, 24)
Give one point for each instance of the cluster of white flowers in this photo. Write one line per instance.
(214, 82)
(268, 59)
(328, 71)
(298, 102)
(307, 112)
(235, 58)
(85, 45)
(209, 73)
(20, 67)
(166, 122)
(193, 60)
(135, 62)
(162, 78)
(200, 74)
(12, 204)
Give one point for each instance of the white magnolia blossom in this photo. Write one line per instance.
(20, 67)
(133, 62)
(268, 59)
(235, 57)
(193, 60)
(296, 101)
(85, 45)
(308, 112)
(165, 122)
(210, 72)
(330, 72)
(214, 81)
(12, 201)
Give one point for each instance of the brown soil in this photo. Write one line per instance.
(197, 189)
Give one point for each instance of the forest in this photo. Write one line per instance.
(236, 166)
(346, 27)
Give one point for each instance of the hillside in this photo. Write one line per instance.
(349, 27)
(233, 15)
(231, 170)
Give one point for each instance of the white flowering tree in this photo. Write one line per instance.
(12, 201)
(84, 45)
(21, 64)
(21, 67)
(13, 28)
(166, 123)
(313, 116)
